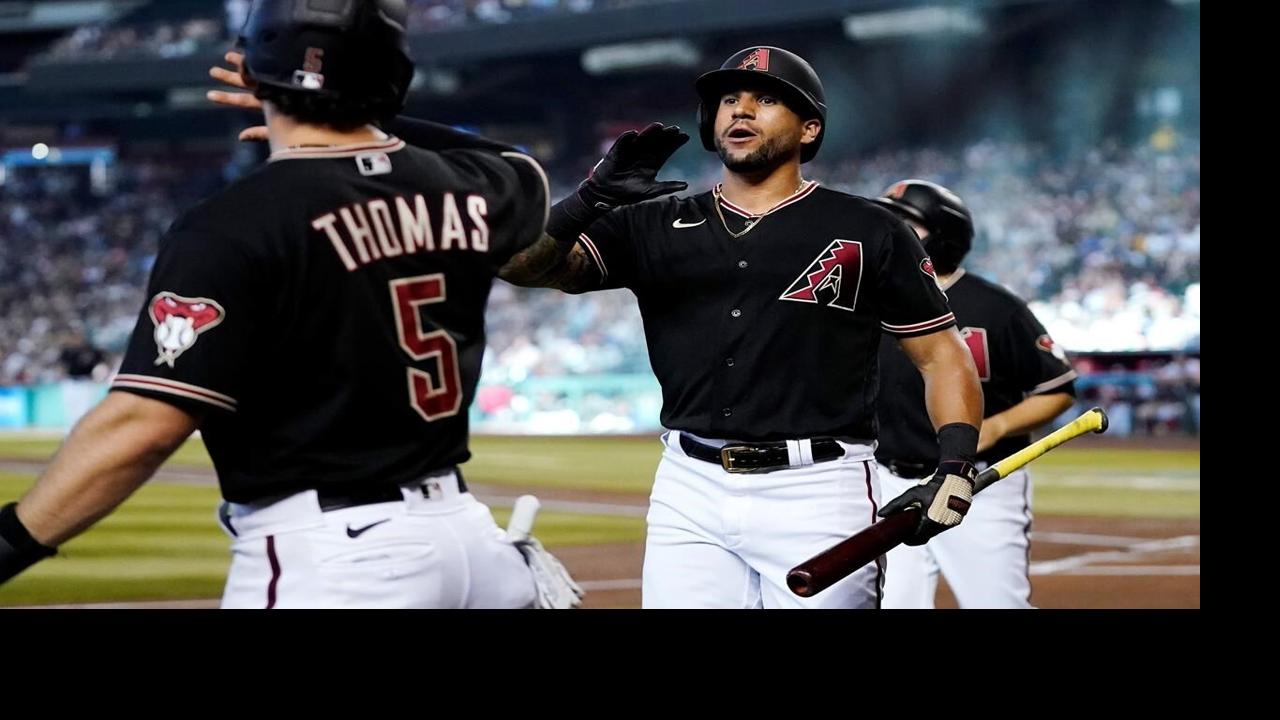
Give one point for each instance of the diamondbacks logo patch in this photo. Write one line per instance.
(833, 278)
(758, 59)
(179, 322)
(926, 267)
(1046, 343)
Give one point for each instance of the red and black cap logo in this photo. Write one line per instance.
(757, 59)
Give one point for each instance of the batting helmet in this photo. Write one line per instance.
(338, 50)
(938, 210)
(795, 79)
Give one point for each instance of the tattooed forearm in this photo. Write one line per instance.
(552, 264)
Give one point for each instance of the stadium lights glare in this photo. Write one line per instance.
(930, 20)
(39, 151)
(622, 57)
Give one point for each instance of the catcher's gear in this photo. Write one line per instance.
(344, 50)
(945, 498)
(938, 210)
(793, 77)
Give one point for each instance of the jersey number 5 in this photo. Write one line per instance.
(976, 339)
(432, 401)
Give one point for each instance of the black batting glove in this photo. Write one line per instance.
(943, 498)
(627, 174)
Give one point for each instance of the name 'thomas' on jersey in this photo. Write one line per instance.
(325, 313)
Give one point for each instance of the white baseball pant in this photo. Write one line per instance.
(985, 559)
(726, 540)
(436, 548)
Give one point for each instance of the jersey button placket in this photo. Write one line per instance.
(726, 388)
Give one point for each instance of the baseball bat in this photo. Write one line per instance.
(840, 560)
(520, 524)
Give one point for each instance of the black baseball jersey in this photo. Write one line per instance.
(326, 312)
(771, 334)
(1014, 355)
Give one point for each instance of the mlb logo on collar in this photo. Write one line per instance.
(373, 164)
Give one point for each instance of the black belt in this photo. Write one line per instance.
(337, 498)
(907, 469)
(759, 456)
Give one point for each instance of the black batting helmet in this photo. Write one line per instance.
(796, 80)
(938, 210)
(337, 50)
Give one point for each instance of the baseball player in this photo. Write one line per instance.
(763, 302)
(321, 322)
(1026, 382)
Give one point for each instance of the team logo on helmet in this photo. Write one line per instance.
(833, 278)
(179, 322)
(311, 76)
(757, 59)
(1046, 343)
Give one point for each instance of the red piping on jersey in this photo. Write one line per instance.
(275, 571)
(1047, 385)
(800, 194)
(927, 324)
(866, 473)
(172, 387)
(1026, 533)
(595, 255)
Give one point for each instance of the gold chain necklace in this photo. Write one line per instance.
(755, 219)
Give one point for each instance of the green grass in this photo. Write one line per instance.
(1111, 482)
(1115, 502)
(41, 446)
(164, 542)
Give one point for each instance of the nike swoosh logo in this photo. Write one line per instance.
(681, 224)
(360, 531)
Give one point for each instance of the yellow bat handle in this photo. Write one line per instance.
(1092, 420)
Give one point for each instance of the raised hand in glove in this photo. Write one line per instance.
(628, 172)
(943, 498)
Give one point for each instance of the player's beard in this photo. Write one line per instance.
(771, 154)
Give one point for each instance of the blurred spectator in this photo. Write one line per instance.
(1105, 244)
(435, 15)
(81, 360)
(176, 38)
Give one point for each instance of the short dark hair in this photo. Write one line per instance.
(344, 114)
